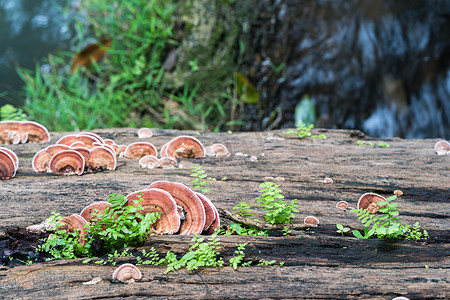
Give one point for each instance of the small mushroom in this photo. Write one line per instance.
(7, 165)
(158, 200)
(73, 223)
(168, 162)
(342, 205)
(101, 158)
(209, 210)
(398, 193)
(194, 210)
(149, 161)
(442, 147)
(13, 156)
(217, 150)
(144, 133)
(127, 273)
(328, 180)
(89, 212)
(369, 202)
(42, 158)
(311, 220)
(67, 162)
(140, 149)
(37, 133)
(185, 147)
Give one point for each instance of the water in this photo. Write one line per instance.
(29, 31)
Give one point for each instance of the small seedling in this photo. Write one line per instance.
(286, 231)
(341, 229)
(242, 209)
(199, 181)
(236, 260)
(278, 211)
(304, 131)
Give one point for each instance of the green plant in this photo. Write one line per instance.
(278, 211)
(200, 254)
(238, 258)
(242, 209)
(9, 112)
(304, 131)
(241, 229)
(263, 262)
(383, 145)
(199, 180)
(119, 226)
(387, 224)
(286, 231)
(341, 229)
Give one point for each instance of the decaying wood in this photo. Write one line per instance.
(318, 263)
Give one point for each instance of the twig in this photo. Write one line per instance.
(246, 221)
(204, 282)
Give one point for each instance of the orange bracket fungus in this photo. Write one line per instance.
(15, 132)
(73, 223)
(67, 162)
(144, 133)
(217, 150)
(88, 213)
(442, 147)
(88, 140)
(185, 147)
(195, 217)
(369, 202)
(168, 162)
(158, 200)
(127, 273)
(163, 152)
(342, 205)
(215, 224)
(13, 156)
(42, 158)
(7, 165)
(149, 161)
(209, 210)
(311, 220)
(101, 158)
(139, 149)
(37, 133)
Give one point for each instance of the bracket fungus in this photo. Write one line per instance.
(168, 162)
(149, 161)
(102, 158)
(13, 156)
(89, 212)
(163, 152)
(185, 147)
(442, 147)
(15, 132)
(42, 158)
(158, 200)
(74, 223)
(139, 149)
(209, 210)
(215, 224)
(144, 133)
(195, 217)
(311, 220)
(88, 140)
(67, 162)
(342, 205)
(369, 202)
(217, 150)
(7, 165)
(127, 273)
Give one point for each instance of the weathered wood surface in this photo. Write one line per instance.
(320, 265)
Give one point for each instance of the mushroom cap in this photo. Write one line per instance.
(149, 161)
(88, 213)
(102, 158)
(13, 156)
(185, 147)
(94, 135)
(85, 152)
(140, 149)
(369, 202)
(158, 200)
(215, 224)
(77, 144)
(311, 220)
(144, 133)
(109, 142)
(442, 147)
(68, 140)
(127, 273)
(75, 222)
(342, 205)
(195, 217)
(110, 148)
(209, 210)
(220, 150)
(120, 150)
(67, 162)
(37, 133)
(168, 162)
(7, 165)
(42, 158)
(163, 152)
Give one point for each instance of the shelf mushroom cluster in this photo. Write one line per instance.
(442, 147)
(9, 163)
(18, 132)
(177, 148)
(367, 201)
(77, 154)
